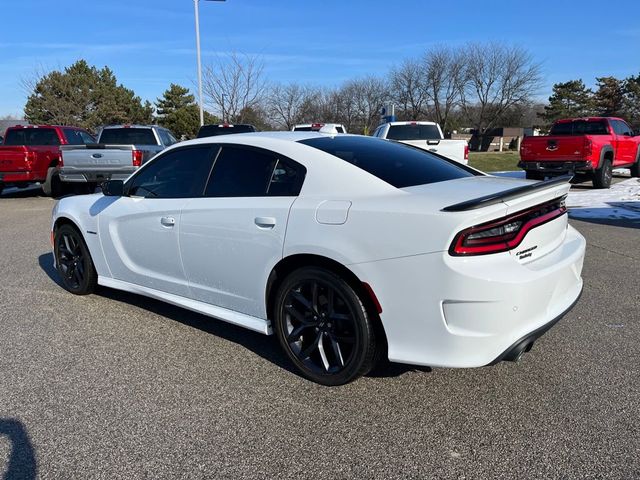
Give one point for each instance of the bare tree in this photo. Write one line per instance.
(444, 81)
(368, 95)
(499, 77)
(234, 84)
(286, 104)
(408, 89)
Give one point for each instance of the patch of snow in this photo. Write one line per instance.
(621, 201)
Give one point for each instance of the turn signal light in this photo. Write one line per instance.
(506, 233)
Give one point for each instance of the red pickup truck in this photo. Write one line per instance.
(593, 145)
(31, 154)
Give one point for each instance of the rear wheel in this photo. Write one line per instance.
(52, 186)
(73, 261)
(602, 176)
(635, 168)
(534, 175)
(1, 187)
(323, 327)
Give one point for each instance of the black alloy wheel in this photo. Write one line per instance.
(324, 327)
(73, 261)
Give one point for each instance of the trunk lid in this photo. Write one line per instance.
(484, 199)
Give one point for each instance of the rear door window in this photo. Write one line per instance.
(128, 136)
(32, 136)
(253, 172)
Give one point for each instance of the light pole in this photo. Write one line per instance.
(195, 4)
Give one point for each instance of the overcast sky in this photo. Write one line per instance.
(149, 44)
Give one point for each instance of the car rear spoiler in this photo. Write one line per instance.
(506, 195)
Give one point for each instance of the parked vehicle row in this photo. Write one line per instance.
(345, 256)
(593, 146)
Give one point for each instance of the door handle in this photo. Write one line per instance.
(168, 221)
(265, 222)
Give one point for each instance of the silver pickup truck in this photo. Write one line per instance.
(120, 151)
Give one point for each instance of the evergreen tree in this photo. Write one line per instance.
(632, 101)
(178, 111)
(609, 98)
(569, 99)
(84, 96)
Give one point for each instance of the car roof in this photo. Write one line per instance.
(411, 122)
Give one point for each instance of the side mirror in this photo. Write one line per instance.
(113, 188)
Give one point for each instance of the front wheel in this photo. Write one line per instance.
(603, 175)
(73, 261)
(323, 327)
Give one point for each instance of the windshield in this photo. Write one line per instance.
(580, 127)
(414, 132)
(128, 136)
(397, 164)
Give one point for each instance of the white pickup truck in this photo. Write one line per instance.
(427, 136)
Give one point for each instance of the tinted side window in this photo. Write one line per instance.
(77, 137)
(167, 138)
(180, 173)
(32, 136)
(395, 163)
(620, 128)
(250, 172)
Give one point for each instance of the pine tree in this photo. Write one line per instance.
(84, 96)
(609, 98)
(178, 111)
(569, 99)
(631, 110)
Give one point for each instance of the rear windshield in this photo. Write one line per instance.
(214, 130)
(580, 127)
(414, 132)
(128, 136)
(32, 136)
(397, 164)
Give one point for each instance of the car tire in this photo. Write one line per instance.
(635, 168)
(603, 175)
(324, 327)
(1, 187)
(52, 186)
(534, 175)
(73, 261)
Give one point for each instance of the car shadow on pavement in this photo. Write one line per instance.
(22, 459)
(267, 347)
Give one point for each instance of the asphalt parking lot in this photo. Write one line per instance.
(115, 385)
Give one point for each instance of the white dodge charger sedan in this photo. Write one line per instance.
(348, 248)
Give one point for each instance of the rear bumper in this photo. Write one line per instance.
(439, 310)
(75, 175)
(558, 167)
(20, 177)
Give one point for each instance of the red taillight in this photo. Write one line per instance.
(136, 156)
(466, 152)
(588, 147)
(29, 157)
(61, 160)
(506, 233)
